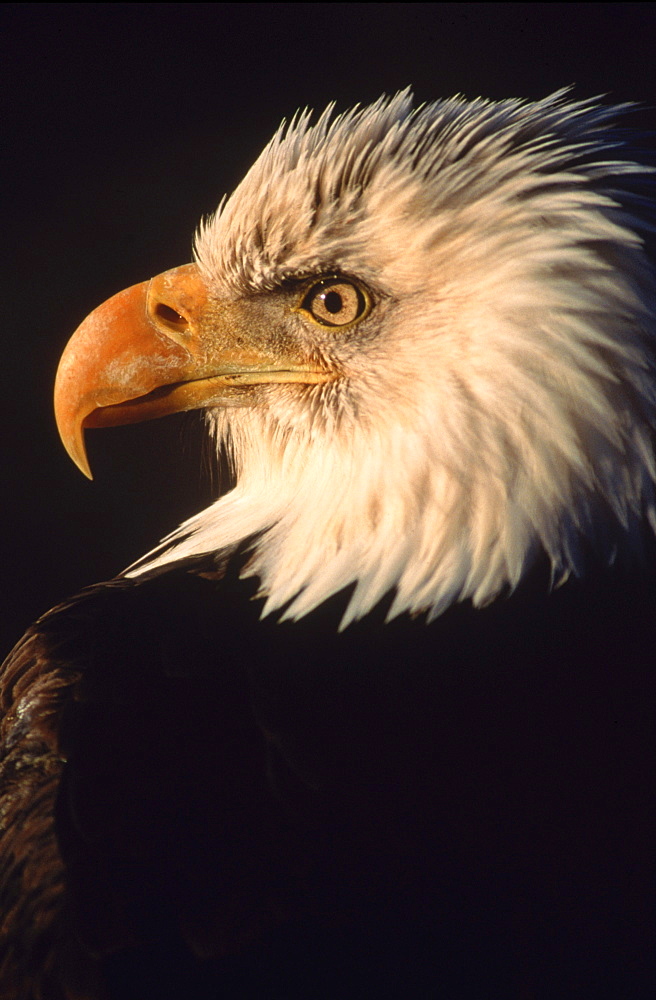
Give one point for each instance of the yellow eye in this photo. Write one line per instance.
(335, 302)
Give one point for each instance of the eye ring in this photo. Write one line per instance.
(335, 302)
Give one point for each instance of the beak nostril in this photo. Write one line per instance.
(170, 318)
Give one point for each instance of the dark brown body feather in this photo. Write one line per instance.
(248, 808)
(37, 942)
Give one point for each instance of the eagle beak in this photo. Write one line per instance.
(162, 347)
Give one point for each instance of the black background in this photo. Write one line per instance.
(126, 123)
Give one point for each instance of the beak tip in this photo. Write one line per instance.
(72, 437)
(79, 456)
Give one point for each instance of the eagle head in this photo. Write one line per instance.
(425, 340)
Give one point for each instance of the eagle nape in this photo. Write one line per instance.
(379, 720)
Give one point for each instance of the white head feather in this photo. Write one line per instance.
(500, 398)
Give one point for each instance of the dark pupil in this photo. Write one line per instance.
(332, 302)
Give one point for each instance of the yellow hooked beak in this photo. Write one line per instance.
(165, 346)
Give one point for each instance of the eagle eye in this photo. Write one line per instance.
(335, 302)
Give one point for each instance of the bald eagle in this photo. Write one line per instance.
(375, 722)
